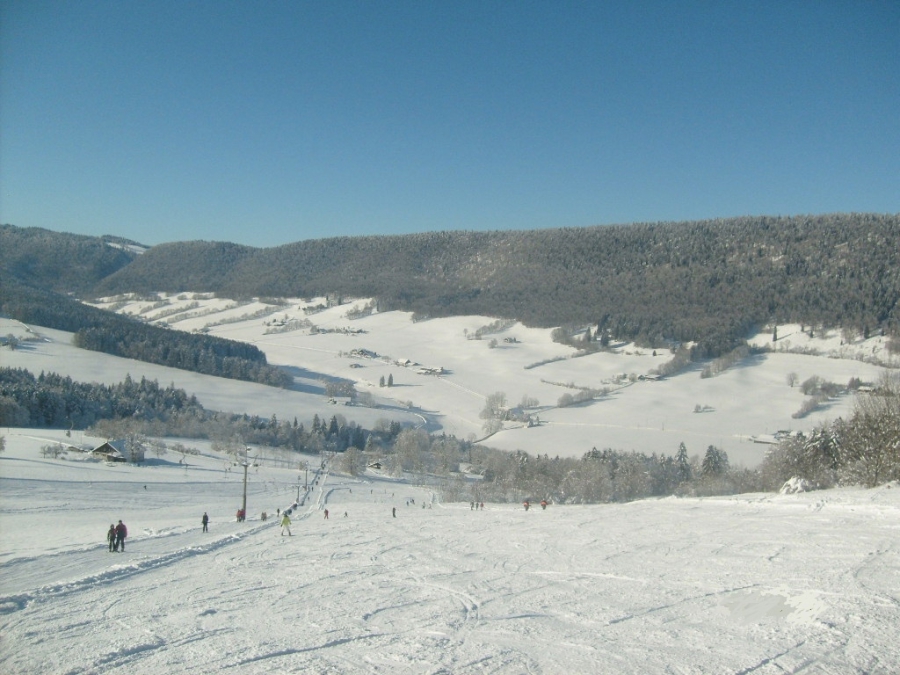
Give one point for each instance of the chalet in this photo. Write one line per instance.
(118, 451)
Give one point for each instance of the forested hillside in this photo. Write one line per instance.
(708, 282)
(67, 263)
(705, 281)
(112, 333)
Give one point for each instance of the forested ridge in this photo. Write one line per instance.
(118, 335)
(67, 263)
(709, 282)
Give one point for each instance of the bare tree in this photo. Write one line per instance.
(158, 447)
(494, 406)
(353, 461)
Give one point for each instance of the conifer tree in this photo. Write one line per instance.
(715, 462)
(683, 464)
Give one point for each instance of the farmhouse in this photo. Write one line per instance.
(118, 451)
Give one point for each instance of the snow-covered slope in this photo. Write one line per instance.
(744, 404)
(752, 584)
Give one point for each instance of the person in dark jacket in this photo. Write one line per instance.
(205, 521)
(111, 537)
(121, 533)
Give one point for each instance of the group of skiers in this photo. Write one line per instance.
(117, 533)
(116, 537)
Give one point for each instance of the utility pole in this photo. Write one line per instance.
(246, 466)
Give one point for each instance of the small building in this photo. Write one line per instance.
(118, 451)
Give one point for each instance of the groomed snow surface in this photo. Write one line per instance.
(763, 583)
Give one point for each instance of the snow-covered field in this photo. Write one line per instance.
(764, 584)
(746, 403)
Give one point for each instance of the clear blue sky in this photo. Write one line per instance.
(269, 122)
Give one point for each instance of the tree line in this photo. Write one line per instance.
(119, 335)
(862, 450)
(143, 406)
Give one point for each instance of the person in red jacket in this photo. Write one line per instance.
(121, 533)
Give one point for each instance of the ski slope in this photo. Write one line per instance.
(761, 583)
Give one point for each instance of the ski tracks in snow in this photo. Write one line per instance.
(116, 572)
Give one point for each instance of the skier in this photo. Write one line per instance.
(205, 521)
(111, 537)
(526, 504)
(121, 533)
(544, 504)
(394, 512)
(286, 525)
(326, 514)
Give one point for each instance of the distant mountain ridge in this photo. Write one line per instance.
(68, 263)
(708, 281)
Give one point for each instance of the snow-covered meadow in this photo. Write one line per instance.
(479, 357)
(757, 583)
